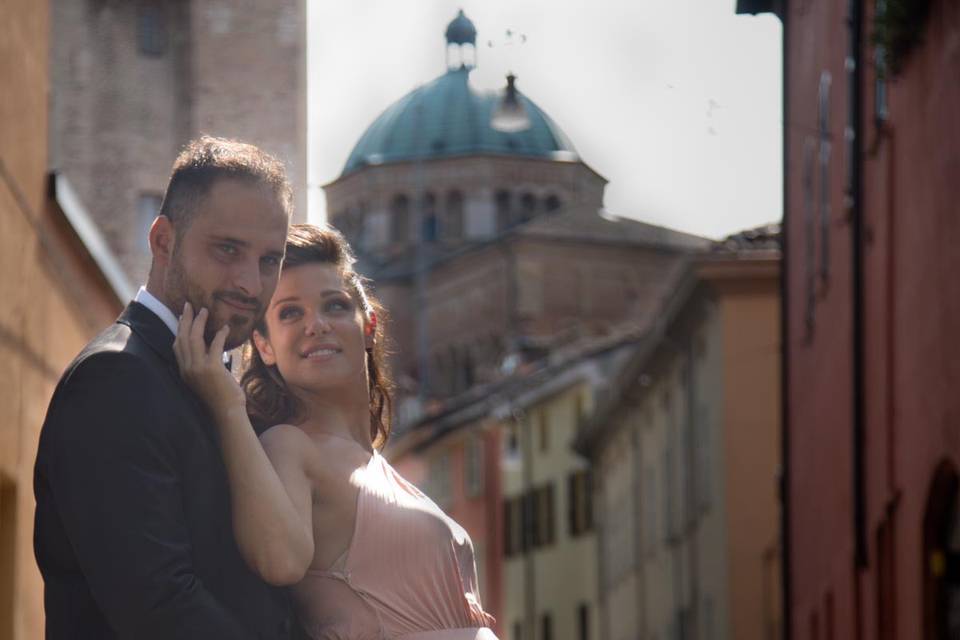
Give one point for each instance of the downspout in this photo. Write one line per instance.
(855, 188)
(786, 573)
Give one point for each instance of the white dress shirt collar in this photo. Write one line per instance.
(151, 302)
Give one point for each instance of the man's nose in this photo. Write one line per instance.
(246, 278)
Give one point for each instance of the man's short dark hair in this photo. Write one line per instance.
(208, 159)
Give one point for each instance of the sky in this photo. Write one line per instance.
(676, 102)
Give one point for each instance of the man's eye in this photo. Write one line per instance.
(271, 261)
(228, 249)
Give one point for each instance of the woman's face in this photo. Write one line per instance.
(316, 330)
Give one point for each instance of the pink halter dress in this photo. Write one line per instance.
(408, 573)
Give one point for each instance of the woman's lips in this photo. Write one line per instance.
(321, 353)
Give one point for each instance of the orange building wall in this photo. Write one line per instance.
(52, 300)
(751, 415)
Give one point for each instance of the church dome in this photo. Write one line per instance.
(448, 118)
(461, 30)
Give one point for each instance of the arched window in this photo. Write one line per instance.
(502, 200)
(528, 206)
(428, 232)
(400, 219)
(552, 203)
(355, 225)
(452, 227)
(941, 588)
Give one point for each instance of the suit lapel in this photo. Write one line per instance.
(152, 330)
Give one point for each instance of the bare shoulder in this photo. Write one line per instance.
(287, 443)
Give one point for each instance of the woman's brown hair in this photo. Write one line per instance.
(269, 401)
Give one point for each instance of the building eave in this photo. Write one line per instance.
(89, 234)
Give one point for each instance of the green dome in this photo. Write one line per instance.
(461, 30)
(454, 120)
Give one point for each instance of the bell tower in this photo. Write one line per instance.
(461, 43)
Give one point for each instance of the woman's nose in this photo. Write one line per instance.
(318, 324)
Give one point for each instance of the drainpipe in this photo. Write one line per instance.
(854, 66)
(785, 565)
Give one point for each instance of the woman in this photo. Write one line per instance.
(315, 506)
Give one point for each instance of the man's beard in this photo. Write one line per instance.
(181, 289)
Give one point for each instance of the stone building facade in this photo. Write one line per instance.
(685, 450)
(132, 82)
(487, 243)
(56, 296)
(871, 304)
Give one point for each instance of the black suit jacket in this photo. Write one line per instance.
(133, 530)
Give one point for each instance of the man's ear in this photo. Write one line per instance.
(264, 348)
(162, 238)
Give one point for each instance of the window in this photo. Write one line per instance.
(668, 489)
(543, 429)
(579, 503)
(704, 474)
(400, 219)
(502, 201)
(148, 207)
(546, 627)
(452, 227)
(544, 516)
(439, 481)
(649, 509)
(708, 619)
(529, 520)
(551, 204)
(428, 231)
(578, 407)
(513, 442)
(473, 466)
(513, 526)
(583, 621)
(528, 206)
(151, 29)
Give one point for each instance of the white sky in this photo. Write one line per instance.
(676, 102)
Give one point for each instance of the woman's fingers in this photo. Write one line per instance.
(198, 349)
(216, 347)
(181, 343)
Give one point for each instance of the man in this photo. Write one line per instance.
(133, 530)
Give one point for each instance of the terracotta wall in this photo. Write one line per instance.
(53, 299)
(911, 165)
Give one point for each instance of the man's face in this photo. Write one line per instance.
(228, 259)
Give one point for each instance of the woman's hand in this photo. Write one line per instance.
(203, 369)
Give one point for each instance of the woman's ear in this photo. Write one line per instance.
(369, 331)
(264, 348)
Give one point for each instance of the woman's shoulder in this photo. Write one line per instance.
(284, 436)
(322, 455)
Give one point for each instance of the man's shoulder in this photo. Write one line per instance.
(116, 347)
(116, 378)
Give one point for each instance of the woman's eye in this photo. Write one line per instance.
(338, 305)
(288, 312)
